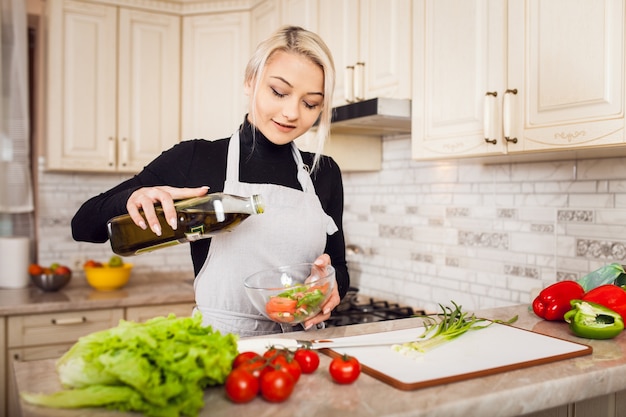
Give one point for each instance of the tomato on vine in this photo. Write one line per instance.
(276, 386)
(241, 386)
(244, 357)
(308, 359)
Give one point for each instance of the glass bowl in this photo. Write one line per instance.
(291, 294)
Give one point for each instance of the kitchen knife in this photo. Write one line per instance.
(260, 345)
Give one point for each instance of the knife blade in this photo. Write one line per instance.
(260, 345)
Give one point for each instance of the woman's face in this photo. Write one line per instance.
(289, 99)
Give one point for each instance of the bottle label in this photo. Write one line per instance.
(196, 233)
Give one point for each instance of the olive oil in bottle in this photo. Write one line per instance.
(198, 218)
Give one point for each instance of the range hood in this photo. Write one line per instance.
(373, 117)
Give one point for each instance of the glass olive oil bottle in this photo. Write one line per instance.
(198, 218)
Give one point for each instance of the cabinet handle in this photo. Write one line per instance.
(124, 152)
(71, 320)
(488, 116)
(506, 114)
(349, 83)
(359, 81)
(112, 151)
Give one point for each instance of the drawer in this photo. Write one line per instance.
(141, 314)
(37, 353)
(66, 327)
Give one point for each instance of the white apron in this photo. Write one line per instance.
(291, 230)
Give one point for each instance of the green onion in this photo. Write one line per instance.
(452, 323)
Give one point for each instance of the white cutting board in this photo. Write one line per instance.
(497, 348)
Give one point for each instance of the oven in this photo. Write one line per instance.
(356, 309)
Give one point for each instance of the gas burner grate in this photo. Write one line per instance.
(352, 310)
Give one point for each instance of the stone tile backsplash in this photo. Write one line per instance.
(481, 235)
(428, 232)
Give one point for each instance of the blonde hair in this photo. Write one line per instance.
(295, 39)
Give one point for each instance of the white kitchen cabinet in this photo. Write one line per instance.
(375, 33)
(303, 13)
(568, 69)
(113, 86)
(264, 20)
(269, 15)
(517, 77)
(215, 53)
(453, 70)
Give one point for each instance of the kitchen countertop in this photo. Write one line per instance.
(511, 393)
(140, 291)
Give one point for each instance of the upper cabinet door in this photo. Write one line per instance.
(385, 47)
(303, 13)
(113, 86)
(373, 34)
(518, 77)
(149, 86)
(459, 74)
(215, 54)
(339, 28)
(567, 64)
(264, 20)
(81, 86)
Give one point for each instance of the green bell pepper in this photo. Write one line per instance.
(593, 321)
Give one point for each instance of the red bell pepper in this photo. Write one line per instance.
(554, 301)
(610, 296)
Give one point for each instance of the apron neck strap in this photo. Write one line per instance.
(232, 164)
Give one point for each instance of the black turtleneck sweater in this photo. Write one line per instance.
(199, 162)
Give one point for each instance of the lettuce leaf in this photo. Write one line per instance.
(159, 367)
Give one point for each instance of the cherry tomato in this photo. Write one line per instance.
(274, 352)
(287, 364)
(276, 386)
(241, 386)
(254, 367)
(308, 359)
(344, 369)
(243, 357)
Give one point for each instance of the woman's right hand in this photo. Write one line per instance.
(145, 199)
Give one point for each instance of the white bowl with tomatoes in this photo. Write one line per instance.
(291, 294)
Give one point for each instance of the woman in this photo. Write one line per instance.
(289, 82)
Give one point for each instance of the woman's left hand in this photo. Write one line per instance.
(322, 261)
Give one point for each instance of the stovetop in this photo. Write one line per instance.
(355, 309)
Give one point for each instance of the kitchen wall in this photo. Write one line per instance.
(426, 232)
(59, 197)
